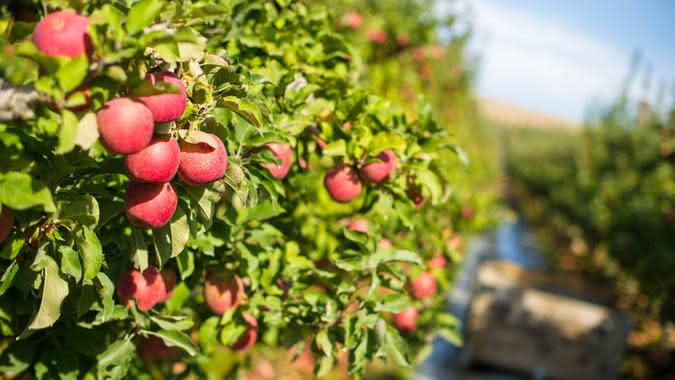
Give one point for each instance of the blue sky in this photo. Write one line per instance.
(565, 57)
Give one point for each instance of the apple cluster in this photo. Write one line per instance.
(126, 125)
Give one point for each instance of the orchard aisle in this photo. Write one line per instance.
(513, 242)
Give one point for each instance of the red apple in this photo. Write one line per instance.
(343, 183)
(406, 320)
(125, 126)
(203, 162)
(157, 163)
(423, 286)
(250, 335)
(62, 33)
(437, 262)
(456, 242)
(385, 243)
(150, 205)
(304, 362)
(354, 20)
(169, 281)
(419, 54)
(467, 213)
(437, 51)
(222, 292)
(378, 36)
(358, 225)
(153, 349)
(165, 107)
(147, 288)
(378, 171)
(403, 40)
(282, 152)
(6, 222)
(347, 126)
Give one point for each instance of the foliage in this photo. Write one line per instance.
(256, 72)
(606, 198)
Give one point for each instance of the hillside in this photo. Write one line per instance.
(514, 116)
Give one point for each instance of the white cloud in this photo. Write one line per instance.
(539, 62)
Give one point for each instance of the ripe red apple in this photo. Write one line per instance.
(157, 163)
(456, 242)
(282, 152)
(222, 292)
(358, 225)
(250, 336)
(6, 222)
(378, 36)
(437, 262)
(62, 33)
(125, 126)
(385, 243)
(165, 107)
(150, 205)
(419, 54)
(347, 126)
(423, 286)
(378, 171)
(304, 362)
(467, 212)
(403, 40)
(406, 320)
(437, 51)
(153, 349)
(146, 288)
(203, 162)
(343, 183)
(354, 20)
(169, 281)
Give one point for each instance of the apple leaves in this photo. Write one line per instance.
(54, 291)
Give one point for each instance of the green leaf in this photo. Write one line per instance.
(72, 73)
(180, 294)
(246, 109)
(139, 249)
(70, 262)
(173, 323)
(91, 251)
(186, 264)
(335, 148)
(178, 339)
(397, 350)
(8, 277)
(451, 335)
(12, 247)
(54, 291)
(261, 211)
(393, 303)
(382, 141)
(180, 232)
(431, 181)
(58, 361)
(142, 14)
(401, 256)
(83, 210)
(20, 192)
(208, 334)
(87, 131)
(67, 132)
(114, 361)
(170, 240)
(17, 357)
